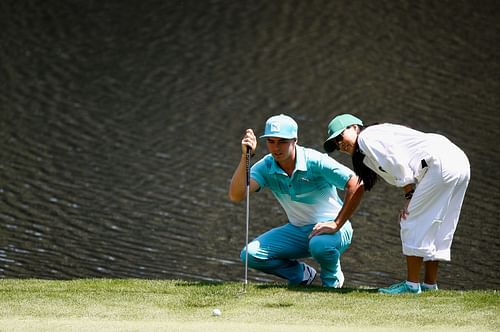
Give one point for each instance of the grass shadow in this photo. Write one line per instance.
(317, 289)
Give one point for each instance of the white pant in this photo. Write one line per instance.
(435, 207)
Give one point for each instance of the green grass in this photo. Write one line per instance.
(146, 305)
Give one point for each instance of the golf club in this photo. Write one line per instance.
(248, 155)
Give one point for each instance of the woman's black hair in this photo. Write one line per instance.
(368, 176)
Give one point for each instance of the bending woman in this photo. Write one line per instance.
(433, 173)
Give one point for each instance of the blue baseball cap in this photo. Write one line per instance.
(336, 127)
(281, 126)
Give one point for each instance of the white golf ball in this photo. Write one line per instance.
(216, 312)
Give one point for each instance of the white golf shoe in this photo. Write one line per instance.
(309, 274)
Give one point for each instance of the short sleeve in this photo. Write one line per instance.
(382, 146)
(258, 172)
(334, 172)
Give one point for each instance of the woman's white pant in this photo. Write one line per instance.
(435, 207)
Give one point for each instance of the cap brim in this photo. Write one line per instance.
(278, 136)
(330, 145)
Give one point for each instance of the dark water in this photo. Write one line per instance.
(120, 124)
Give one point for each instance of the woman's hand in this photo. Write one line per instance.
(324, 228)
(404, 212)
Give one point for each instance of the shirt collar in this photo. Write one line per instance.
(300, 158)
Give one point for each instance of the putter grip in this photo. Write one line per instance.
(249, 153)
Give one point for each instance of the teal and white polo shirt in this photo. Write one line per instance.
(310, 195)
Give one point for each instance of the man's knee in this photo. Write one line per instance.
(253, 260)
(322, 246)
